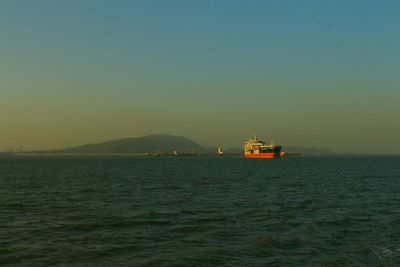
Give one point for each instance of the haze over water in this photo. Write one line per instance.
(309, 73)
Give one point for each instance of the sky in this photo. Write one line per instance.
(301, 73)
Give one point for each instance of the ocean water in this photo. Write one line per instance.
(200, 211)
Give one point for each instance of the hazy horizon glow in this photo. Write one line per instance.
(311, 73)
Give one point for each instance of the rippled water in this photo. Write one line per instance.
(200, 211)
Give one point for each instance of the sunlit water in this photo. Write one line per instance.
(200, 211)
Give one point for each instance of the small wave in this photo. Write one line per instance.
(208, 220)
(266, 241)
(188, 228)
(339, 261)
(109, 224)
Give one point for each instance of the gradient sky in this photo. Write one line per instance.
(307, 73)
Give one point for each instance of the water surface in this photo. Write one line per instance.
(200, 211)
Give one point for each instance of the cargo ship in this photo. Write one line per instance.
(256, 148)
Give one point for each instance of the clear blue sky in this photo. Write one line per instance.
(307, 73)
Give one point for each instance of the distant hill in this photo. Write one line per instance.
(290, 149)
(308, 150)
(146, 144)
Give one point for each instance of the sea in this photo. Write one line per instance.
(199, 211)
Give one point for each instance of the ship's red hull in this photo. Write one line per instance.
(265, 155)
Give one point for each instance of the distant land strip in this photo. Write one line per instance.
(157, 144)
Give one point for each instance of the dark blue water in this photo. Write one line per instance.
(200, 211)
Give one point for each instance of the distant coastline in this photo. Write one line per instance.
(157, 145)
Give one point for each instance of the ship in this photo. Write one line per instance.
(256, 148)
(220, 152)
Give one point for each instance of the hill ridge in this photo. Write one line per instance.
(142, 144)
